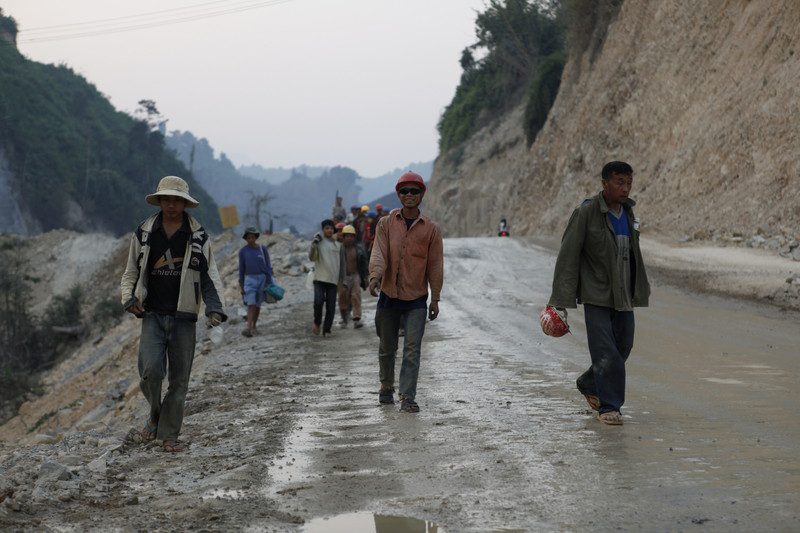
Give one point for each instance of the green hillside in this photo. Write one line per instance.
(77, 162)
(520, 45)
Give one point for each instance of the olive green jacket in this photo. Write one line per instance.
(586, 268)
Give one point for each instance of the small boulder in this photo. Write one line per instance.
(50, 470)
(43, 438)
(71, 460)
(295, 260)
(98, 466)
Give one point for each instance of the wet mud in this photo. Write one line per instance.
(285, 431)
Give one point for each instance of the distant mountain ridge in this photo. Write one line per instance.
(277, 175)
(216, 174)
(296, 203)
(371, 188)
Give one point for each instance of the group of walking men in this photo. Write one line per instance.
(363, 220)
(407, 258)
(170, 269)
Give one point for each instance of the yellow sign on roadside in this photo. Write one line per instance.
(229, 216)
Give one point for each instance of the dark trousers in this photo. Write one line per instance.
(610, 335)
(166, 349)
(324, 293)
(387, 322)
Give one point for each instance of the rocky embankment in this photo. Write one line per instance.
(702, 99)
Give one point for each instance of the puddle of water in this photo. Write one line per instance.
(725, 381)
(370, 523)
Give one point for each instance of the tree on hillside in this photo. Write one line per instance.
(516, 33)
(514, 37)
(148, 112)
(8, 28)
(18, 336)
(258, 202)
(148, 134)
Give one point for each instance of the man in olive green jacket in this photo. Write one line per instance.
(600, 266)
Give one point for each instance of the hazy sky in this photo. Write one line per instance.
(354, 82)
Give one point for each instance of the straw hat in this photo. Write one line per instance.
(172, 186)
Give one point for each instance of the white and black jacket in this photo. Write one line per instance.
(199, 275)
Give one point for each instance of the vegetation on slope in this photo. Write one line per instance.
(524, 45)
(29, 343)
(516, 38)
(78, 162)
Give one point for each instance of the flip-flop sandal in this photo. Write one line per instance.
(148, 432)
(612, 418)
(593, 401)
(172, 446)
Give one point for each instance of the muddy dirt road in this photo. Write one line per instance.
(285, 429)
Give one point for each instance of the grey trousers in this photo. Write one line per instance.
(610, 336)
(387, 322)
(166, 349)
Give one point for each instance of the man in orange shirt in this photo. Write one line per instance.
(407, 257)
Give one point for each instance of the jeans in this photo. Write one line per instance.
(387, 323)
(610, 335)
(324, 292)
(166, 348)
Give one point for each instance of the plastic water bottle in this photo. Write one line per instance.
(216, 334)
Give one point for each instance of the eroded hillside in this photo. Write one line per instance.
(95, 385)
(701, 98)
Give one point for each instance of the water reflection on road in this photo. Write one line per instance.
(370, 523)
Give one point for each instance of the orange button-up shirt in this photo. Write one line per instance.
(406, 261)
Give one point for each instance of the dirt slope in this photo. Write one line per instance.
(702, 98)
(96, 387)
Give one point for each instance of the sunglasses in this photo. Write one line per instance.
(412, 192)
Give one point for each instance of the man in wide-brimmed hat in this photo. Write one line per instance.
(255, 274)
(170, 268)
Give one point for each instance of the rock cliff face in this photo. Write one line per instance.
(13, 218)
(703, 99)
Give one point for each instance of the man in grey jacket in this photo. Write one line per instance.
(170, 267)
(600, 266)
